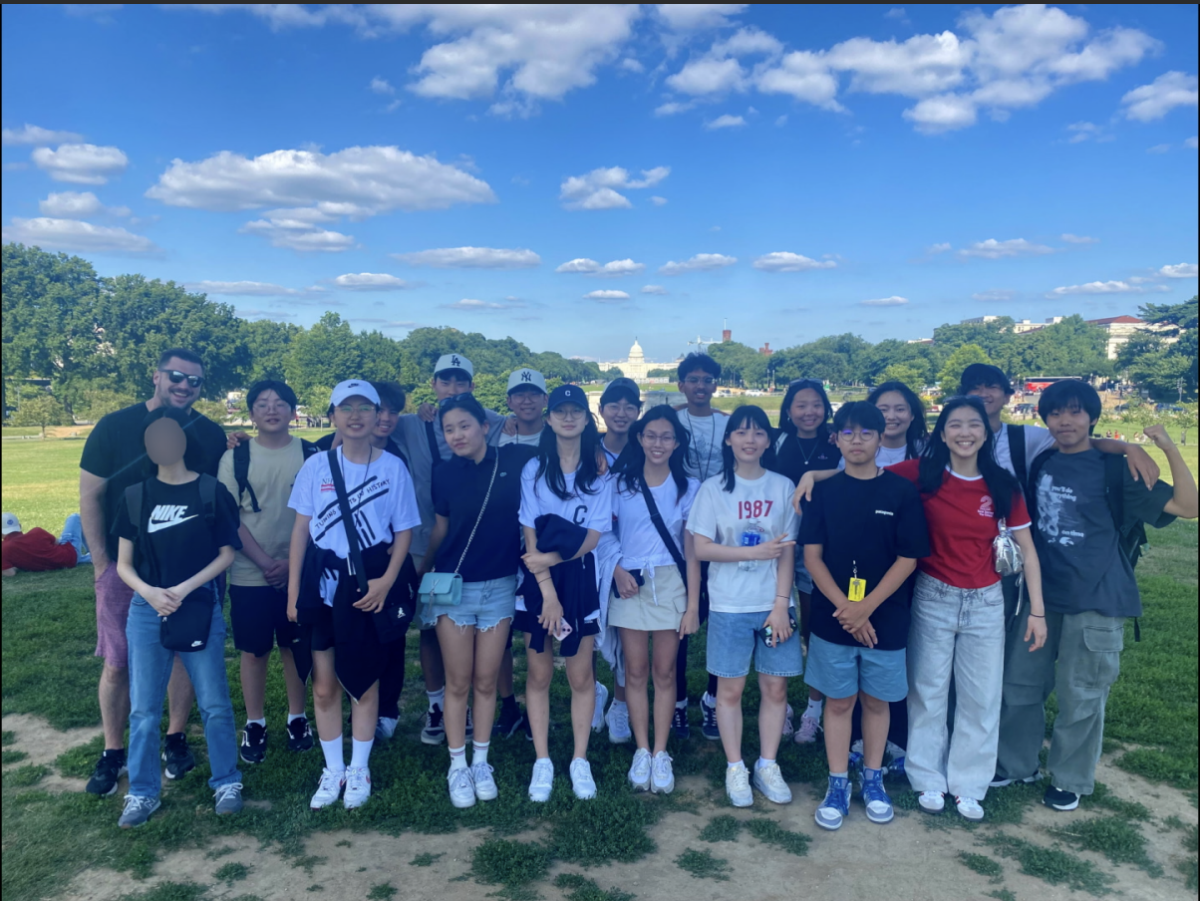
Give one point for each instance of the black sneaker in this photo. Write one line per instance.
(254, 743)
(999, 781)
(679, 723)
(709, 725)
(1058, 799)
(509, 721)
(109, 769)
(300, 737)
(434, 732)
(178, 756)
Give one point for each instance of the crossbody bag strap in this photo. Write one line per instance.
(479, 518)
(663, 532)
(339, 484)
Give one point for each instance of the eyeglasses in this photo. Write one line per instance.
(265, 406)
(569, 413)
(664, 440)
(694, 380)
(452, 398)
(858, 434)
(351, 409)
(194, 381)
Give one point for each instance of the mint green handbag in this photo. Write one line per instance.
(445, 589)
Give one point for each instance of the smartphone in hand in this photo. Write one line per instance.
(564, 629)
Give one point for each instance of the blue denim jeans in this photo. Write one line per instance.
(959, 630)
(72, 534)
(149, 672)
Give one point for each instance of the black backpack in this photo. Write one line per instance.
(1016, 450)
(241, 469)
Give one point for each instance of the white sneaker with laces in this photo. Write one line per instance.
(807, 733)
(737, 785)
(662, 775)
(617, 720)
(462, 787)
(601, 700)
(581, 779)
(932, 802)
(485, 783)
(968, 808)
(542, 781)
(769, 780)
(788, 728)
(358, 787)
(328, 789)
(639, 770)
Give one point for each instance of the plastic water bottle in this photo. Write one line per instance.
(752, 536)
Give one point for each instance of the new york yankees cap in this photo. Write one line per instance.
(453, 361)
(526, 378)
(354, 388)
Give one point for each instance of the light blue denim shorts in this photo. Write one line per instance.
(484, 605)
(842, 670)
(733, 641)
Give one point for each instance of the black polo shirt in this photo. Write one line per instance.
(459, 488)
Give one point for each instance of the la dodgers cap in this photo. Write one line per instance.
(454, 361)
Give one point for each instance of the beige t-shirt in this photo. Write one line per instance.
(271, 474)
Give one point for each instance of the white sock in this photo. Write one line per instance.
(762, 762)
(845, 775)
(814, 708)
(292, 717)
(437, 697)
(480, 752)
(458, 758)
(681, 705)
(708, 700)
(335, 759)
(261, 722)
(736, 763)
(360, 754)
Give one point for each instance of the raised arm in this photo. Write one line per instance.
(1184, 502)
(1141, 465)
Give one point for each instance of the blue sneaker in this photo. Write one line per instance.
(895, 768)
(708, 726)
(836, 806)
(878, 804)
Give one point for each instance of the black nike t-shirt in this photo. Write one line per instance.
(178, 541)
(864, 525)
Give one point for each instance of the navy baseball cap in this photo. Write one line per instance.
(567, 394)
(622, 388)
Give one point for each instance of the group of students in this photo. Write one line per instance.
(863, 539)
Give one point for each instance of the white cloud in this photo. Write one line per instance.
(1153, 101)
(937, 248)
(924, 64)
(991, 249)
(76, 235)
(1179, 270)
(654, 289)
(803, 76)
(725, 121)
(947, 112)
(71, 205)
(244, 313)
(701, 262)
(995, 295)
(385, 323)
(470, 303)
(369, 281)
(785, 261)
(662, 201)
(1159, 148)
(1079, 239)
(82, 164)
(381, 86)
(781, 120)
(893, 301)
(36, 135)
(471, 258)
(1112, 287)
(607, 296)
(590, 267)
(599, 189)
(1191, 143)
(698, 16)
(244, 289)
(299, 235)
(897, 12)
(672, 108)
(1083, 131)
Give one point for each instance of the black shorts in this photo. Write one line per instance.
(259, 617)
(524, 621)
(323, 638)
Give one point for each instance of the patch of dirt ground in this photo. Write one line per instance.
(907, 859)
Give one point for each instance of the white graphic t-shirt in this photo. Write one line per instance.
(707, 439)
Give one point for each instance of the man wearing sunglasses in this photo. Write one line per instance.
(114, 458)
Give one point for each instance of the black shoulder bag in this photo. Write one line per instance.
(390, 621)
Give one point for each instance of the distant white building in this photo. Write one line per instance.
(636, 367)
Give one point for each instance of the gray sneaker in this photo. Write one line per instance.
(137, 810)
(229, 798)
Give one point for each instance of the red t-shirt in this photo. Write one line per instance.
(962, 525)
(36, 551)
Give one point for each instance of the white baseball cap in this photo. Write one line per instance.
(526, 378)
(11, 524)
(454, 361)
(354, 388)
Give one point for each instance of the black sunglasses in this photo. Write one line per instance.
(195, 381)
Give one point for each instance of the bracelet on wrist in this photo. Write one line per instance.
(1038, 615)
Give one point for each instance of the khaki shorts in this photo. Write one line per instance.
(658, 606)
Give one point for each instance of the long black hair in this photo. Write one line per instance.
(917, 435)
(630, 467)
(747, 414)
(588, 473)
(795, 387)
(1001, 484)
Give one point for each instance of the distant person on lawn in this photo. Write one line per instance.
(114, 458)
(38, 551)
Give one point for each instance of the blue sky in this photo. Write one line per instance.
(575, 176)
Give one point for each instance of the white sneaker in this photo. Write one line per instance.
(542, 781)
(662, 776)
(639, 770)
(932, 802)
(328, 789)
(462, 787)
(788, 729)
(601, 700)
(358, 787)
(807, 733)
(769, 780)
(485, 783)
(617, 719)
(581, 779)
(386, 727)
(968, 808)
(737, 785)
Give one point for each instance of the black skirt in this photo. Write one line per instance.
(575, 583)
